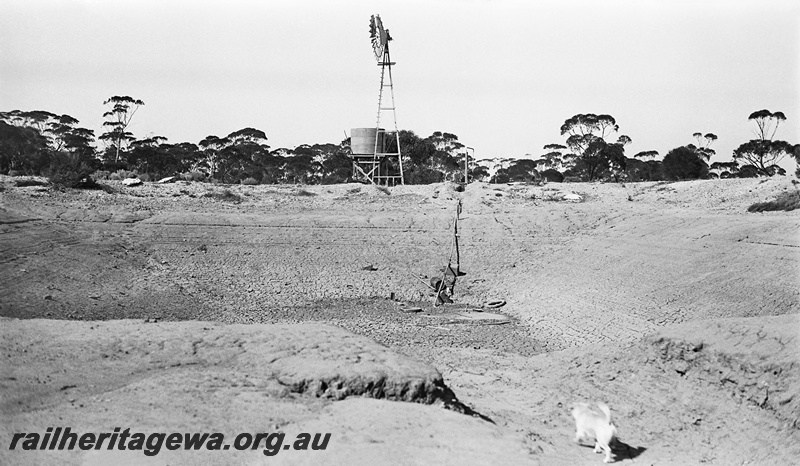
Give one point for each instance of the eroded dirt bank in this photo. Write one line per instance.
(592, 288)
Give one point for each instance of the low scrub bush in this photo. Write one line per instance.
(193, 176)
(121, 174)
(101, 175)
(70, 171)
(28, 182)
(552, 175)
(789, 200)
(225, 196)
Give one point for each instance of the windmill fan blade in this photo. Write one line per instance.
(372, 27)
(378, 36)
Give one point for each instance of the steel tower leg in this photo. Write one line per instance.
(386, 66)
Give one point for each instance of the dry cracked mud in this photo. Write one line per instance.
(284, 311)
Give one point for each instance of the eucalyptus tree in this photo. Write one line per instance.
(119, 116)
(448, 159)
(418, 154)
(523, 170)
(558, 158)
(301, 168)
(764, 151)
(237, 156)
(149, 156)
(65, 135)
(646, 154)
(335, 165)
(36, 119)
(35, 137)
(59, 129)
(724, 169)
(242, 156)
(478, 172)
(683, 163)
(447, 142)
(211, 146)
(22, 149)
(586, 137)
(766, 123)
(643, 166)
(60, 132)
(703, 147)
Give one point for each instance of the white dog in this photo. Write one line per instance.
(591, 423)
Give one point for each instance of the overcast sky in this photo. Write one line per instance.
(502, 75)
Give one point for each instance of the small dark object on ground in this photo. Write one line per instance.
(410, 310)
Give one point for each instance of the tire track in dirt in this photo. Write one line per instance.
(577, 288)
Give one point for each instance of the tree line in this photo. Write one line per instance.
(590, 152)
(43, 143)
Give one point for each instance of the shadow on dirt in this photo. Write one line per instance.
(622, 450)
(452, 403)
(470, 412)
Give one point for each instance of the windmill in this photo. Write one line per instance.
(376, 152)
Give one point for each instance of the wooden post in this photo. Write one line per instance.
(466, 167)
(455, 238)
(466, 163)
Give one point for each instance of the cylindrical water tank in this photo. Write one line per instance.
(362, 140)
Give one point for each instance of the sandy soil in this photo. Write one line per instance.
(668, 301)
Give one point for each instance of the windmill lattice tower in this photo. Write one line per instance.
(376, 152)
